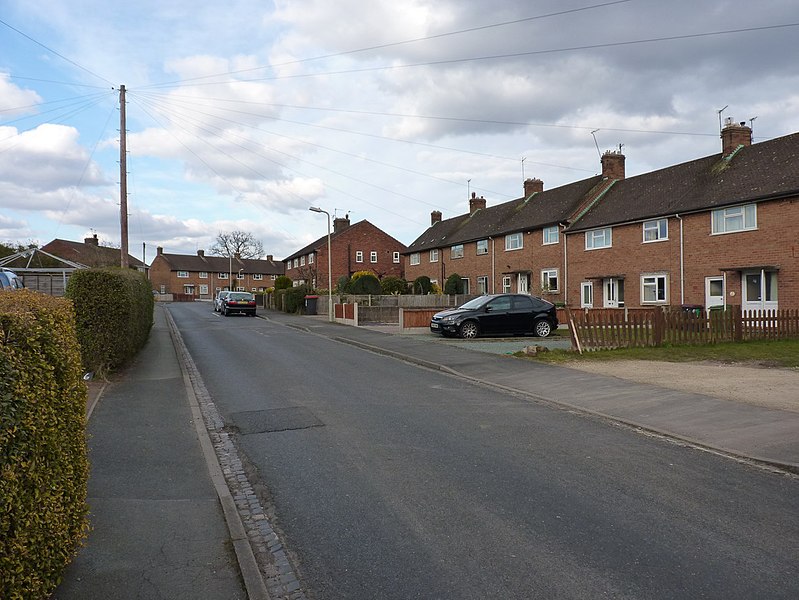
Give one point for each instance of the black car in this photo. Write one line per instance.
(238, 302)
(498, 314)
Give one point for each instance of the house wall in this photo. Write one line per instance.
(774, 242)
(161, 273)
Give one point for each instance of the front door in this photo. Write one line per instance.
(614, 292)
(714, 292)
(759, 290)
(523, 283)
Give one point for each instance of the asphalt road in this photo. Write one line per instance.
(392, 481)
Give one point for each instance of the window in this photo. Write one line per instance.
(203, 289)
(296, 263)
(549, 280)
(240, 289)
(653, 288)
(456, 251)
(274, 277)
(310, 259)
(482, 284)
(586, 294)
(359, 256)
(373, 256)
(598, 238)
(735, 218)
(434, 255)
(506, 280)
(183, 274)
(656, 230)
(396, 257)
(465, 282)
(221, 275)
(188, 289)
(163, 289)
(414, 258)
(257, 276)
(513, 241)
(551, 235)
(302, 261)
(203, 275)
(482, 246)
(240, 275)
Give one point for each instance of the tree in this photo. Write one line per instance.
(241, 243)
(454, 284)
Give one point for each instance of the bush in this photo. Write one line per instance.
(113, 315)
(454, 284)
(422, 285)
(343, 285)
(393, 285)
(283, 283)
(365, 284)
(43, 461)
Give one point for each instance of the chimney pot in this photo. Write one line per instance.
(613, 165)
(733, 136)
(476, 204)
(91, 241)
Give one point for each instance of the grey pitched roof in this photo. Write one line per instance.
(758, 172)
(89, 254)
(549, 207)
(221, 264)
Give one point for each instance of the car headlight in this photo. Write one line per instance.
(448, 319)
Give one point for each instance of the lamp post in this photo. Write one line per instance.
(316, 209)
(240, 276)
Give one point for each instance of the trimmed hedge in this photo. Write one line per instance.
(43, 459)
(113, 315)
(454, 284)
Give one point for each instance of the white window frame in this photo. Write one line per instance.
(480, 248)
(203, 289)
(546, 276)
(507, 281)
(203, 274)
(396, 257)
(413, 258)
(650, 281)
(514, 241)
(257, 276)
(550, 235)
(359, 256)
(456, 251)
(221, 275)
(240, 276)
(658, 230)
(482, 284)
(434, 255)
(586, 294)
(183, 274)
(723, 220)
(310, 259)
(373, 256)
(296, 262)
(596, 239)
(302, 261)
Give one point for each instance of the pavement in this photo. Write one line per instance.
(164, 523)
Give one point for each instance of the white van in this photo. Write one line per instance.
(9, 280)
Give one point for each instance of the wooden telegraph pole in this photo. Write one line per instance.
(123, 180)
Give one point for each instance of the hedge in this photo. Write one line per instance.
(113, 315)
(43, 459)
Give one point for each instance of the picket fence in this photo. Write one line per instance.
(606, 329)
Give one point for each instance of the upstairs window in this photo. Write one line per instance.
(551, 235)
(310, 259)
(221, 275)
(203, 274)
(434, 255)
(258, 276)
(414, 258)
(302, 261)
(373, 256)
(598, 238)
(396, 257)
(513, 241)
(482, 246)
(183, 274)
(456, 251)
(359, 256)
(734, 218)
(657, 230)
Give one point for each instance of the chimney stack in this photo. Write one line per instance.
(734, 135)
(159, 251)
(92, 241)
(435, 217)
(476, 203)
(270, 258)
(533, 186)
(613, 165)
(341, 223)
(201, 253)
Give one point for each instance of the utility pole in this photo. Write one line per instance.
(123, 179)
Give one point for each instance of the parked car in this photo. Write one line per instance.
(241, 302)
(9, 280)
(498, 314)
(218, 300)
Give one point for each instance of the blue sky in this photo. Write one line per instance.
(243, 114)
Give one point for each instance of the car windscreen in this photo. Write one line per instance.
(475, 303)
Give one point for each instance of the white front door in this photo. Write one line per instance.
(614, 292)
(714, 292)
(523, 283)
(759, 290)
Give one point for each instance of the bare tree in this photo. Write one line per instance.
(241, 243)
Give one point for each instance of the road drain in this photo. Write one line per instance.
(275, 419)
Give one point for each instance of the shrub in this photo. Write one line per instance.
(343, 285)
(283, 283)
(113, 315)
(365, 284)
(454, 284)
(43, 461)
(295, 298)
(422, 285)
(394, 285)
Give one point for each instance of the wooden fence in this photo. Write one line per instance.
(596, 330)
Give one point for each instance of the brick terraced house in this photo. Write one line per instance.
(358, 247)
(723, 229)
(202, 276)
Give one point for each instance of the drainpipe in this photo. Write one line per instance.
(493, 268)
(682, 262)
(565, 268)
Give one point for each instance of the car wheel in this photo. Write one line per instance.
(542, 328)
(469, 330)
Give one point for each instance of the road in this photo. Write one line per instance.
(387, 480)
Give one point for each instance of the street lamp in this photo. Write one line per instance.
(316, 209)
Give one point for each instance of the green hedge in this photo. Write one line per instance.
(113, 314)
(43, 460)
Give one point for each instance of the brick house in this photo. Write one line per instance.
(202, 276)
(719, 229)
(90, 253)
(358, 247)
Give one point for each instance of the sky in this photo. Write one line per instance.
(243, 114)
